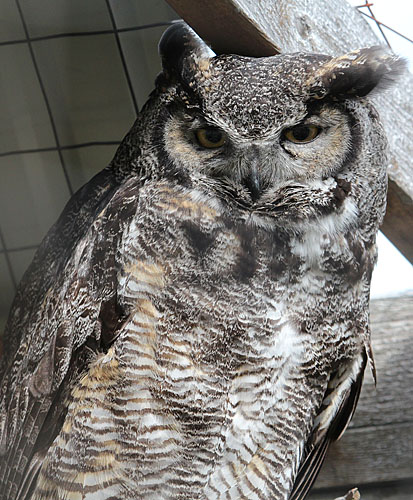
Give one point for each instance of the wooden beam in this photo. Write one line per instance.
(369, 455)
(378, 446)
(226, 26)
(398, 222)
(391, 400)
(265, 27)
(401, 490)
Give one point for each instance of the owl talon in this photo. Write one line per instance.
(351, 495)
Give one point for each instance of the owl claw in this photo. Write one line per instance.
(351, 495)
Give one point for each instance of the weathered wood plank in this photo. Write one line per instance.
(393, 491)
(378, 446)
(226, 26)
(263, 27)
(391, 401)
(399, 210)
(369, 455)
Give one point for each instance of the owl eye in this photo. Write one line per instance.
(302, 134)
(210, 137)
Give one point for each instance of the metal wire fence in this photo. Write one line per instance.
(74, 75)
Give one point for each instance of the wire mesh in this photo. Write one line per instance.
(35, 32)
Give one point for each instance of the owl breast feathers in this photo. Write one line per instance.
(195, 325)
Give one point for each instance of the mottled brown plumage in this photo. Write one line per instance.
(195, 325)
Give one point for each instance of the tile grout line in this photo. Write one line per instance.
(19, 249)
(63, 148)
(46, 100)
(122, 57)
(86, 33)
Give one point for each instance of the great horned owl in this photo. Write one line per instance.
(195, 325)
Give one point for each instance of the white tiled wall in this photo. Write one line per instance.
(24, 122)
(73, 73)
(51, 17)
(33, 191)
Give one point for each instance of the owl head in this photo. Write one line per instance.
(254, 125)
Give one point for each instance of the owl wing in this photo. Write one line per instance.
(336, 412)
(59, 321)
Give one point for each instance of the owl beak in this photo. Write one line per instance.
(253, 182)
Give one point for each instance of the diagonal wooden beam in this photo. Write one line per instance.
(226, 26)
(398, 222)
(266, 27)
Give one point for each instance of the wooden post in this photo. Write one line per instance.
(376, 452)
(266, 27)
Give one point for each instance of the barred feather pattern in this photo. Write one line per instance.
(193, 399)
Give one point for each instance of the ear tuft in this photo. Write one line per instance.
(356, 74)
(178, 44)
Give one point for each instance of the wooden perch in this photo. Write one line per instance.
(266, 27)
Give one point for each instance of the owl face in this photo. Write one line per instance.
(256, 125)
(311, 145)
